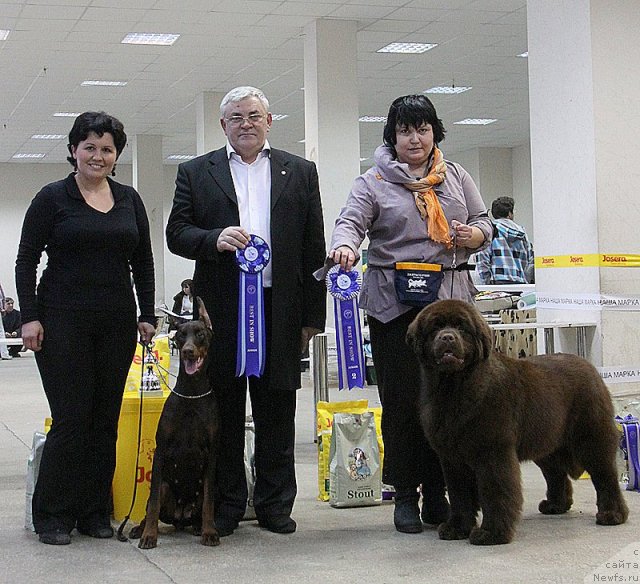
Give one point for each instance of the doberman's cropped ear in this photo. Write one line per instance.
(203, 314)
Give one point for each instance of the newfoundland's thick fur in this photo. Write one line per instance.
(483, 412)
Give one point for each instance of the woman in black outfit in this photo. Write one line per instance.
(81, 323)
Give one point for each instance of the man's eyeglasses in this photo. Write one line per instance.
(239, 120)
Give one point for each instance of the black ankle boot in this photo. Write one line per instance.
(406, 515)
(434, 511)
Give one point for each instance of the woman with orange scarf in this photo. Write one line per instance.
(416, 208)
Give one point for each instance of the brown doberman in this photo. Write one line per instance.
(183, 471)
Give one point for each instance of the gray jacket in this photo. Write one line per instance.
(379, 207)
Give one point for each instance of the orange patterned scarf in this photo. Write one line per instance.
(427, 201)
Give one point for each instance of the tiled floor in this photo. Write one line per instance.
(331, 545)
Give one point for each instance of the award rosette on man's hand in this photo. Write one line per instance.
(344, 287)
(251, 334)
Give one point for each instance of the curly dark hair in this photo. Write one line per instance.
(501, 207)
(100, 123)
(412, 111)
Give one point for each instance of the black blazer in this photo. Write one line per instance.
(204, 204)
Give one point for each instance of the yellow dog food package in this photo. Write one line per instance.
(161, 353)
(325, 411)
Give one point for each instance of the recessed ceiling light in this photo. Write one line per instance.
(279, 116)
(476, 121)
(180, 156)
(150, 38)
(4, 34)
(407, 48)
(372, 119)
(451, 89)
(105, 83)
(48, 136)
(28, 155)
(523, 55)
(66, 114)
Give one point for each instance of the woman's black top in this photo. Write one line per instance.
(91, 255)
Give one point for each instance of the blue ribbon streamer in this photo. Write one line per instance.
(344, 287)
(251, 348)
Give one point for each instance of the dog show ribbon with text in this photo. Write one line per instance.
(251, 331)
(344, 287)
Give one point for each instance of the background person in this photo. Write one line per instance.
(182, 304)
(12, 324)
(509, 258)
(245, 188)
(183, 300)
(81, 322)
(415, 206)
(4, 351)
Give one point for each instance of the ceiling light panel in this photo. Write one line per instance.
(48, 136)
(476, 121)
(104, 83)
(445, 89)
(407, 48)
(66, 114)
(4, 34)
(372, 119)
(150, 38)
(277, 117)
(29, 155)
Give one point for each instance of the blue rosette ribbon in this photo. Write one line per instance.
(251, 330)
(630, 444)
(344, 287)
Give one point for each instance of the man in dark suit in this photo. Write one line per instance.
(221, 198)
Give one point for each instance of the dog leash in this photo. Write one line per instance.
(160, 368)
(120, 533)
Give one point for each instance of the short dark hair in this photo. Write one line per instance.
(100, 123)
(412, 110)
(501, 207)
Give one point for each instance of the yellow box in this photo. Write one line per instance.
(127, 475)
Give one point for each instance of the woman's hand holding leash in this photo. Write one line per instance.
(147, 331)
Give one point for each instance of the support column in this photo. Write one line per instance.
(148, 180)
(583, 79)
(209, 134)
(332, 133)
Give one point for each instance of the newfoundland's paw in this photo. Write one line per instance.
(480, 536)
(553, 507)
(449, 531)
(210, 538)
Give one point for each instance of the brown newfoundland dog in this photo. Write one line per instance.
(483, 412)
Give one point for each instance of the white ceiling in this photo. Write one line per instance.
(54, 45)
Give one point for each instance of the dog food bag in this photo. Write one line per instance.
(354, 467)
(33, 466)
(324, 427)
(250, 465)
(161, 357)
(631, 447)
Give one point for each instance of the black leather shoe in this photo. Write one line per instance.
(55, 537)
(97, 531)
(406, 514)
(278, 523)
(225, 526)
(434, 512)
